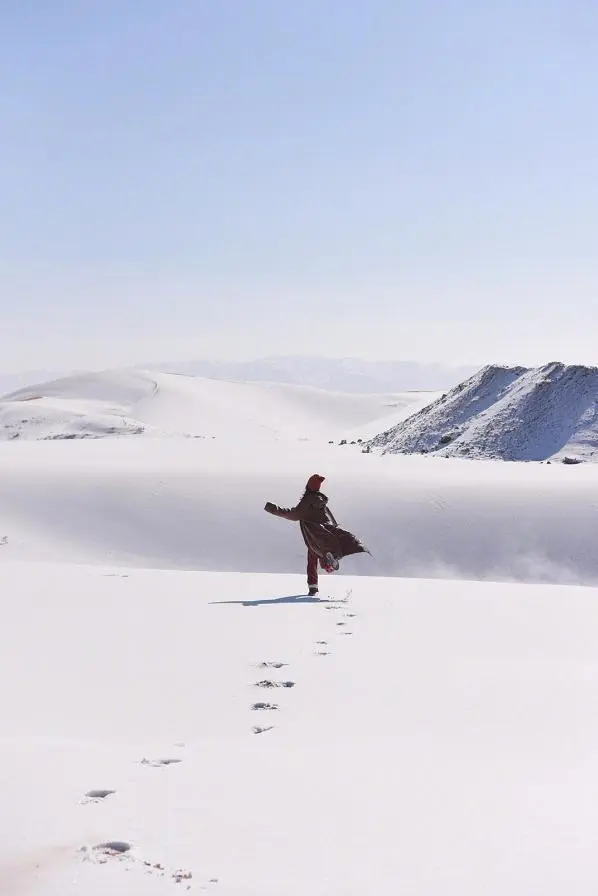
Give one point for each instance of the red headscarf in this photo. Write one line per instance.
(314, 482)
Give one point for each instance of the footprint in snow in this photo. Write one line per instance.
(113, 847)
(268, 683)
(120, 850)
(96, 796)
(101, 853)
(271, 665)
(261, 729)
(157, 763)
(264, 706)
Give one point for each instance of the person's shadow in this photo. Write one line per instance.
(290, 599)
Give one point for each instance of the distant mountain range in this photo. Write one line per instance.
(337, 374)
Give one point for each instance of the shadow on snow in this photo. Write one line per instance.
(290, 599)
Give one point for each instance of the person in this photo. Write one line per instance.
(326, 542)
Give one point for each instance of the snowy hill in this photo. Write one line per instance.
(134, 402)
(511, 413)
(10, 382)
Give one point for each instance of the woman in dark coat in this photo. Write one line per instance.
(326, 542)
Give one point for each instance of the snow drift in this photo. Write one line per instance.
(509, 413)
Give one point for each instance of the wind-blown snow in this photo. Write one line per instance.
(508, 413)
(198, 504)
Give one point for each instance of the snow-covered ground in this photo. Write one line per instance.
(509, 413)
(198, 504)
(434, 737)
(167, 687)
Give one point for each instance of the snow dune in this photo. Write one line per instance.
(507, 413)
(129, 402)
(437, 738)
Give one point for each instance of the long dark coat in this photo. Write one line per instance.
(320, 530)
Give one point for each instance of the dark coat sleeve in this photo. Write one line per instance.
(287, 513)
(295, 514)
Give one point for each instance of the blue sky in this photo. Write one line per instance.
(234, 178)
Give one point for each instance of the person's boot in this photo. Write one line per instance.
(313, 590)
(329, 562)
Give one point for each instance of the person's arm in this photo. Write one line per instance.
(287, 513)
(294, 514)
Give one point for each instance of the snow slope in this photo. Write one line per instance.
(86, 405)
(438, 737)
(198, 504)
(10, 382)
(132, 402)
(507, 412)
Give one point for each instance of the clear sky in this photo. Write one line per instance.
(231, 178)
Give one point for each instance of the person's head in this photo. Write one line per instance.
(314, 482)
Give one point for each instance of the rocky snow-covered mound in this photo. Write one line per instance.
(509, 413)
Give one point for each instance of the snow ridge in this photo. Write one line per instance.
(507, 413)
